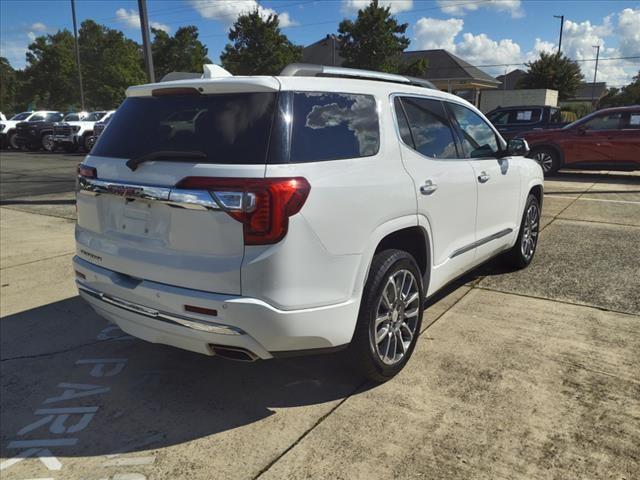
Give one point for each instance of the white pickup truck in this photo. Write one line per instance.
(75, 130)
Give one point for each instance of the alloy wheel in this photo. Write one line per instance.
(47, 142)
(545, 160)
(530, 233)
(396, 319)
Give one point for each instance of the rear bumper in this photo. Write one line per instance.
(155, 312)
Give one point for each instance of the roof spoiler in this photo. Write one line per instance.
(312, 70)
(210, 70)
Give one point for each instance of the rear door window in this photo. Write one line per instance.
(634, 120)
(227, 128)
(333, 126)
(430, 128)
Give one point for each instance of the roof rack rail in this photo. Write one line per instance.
(313, 70)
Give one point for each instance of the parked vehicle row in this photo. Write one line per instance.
(49, 130)
(608, 139)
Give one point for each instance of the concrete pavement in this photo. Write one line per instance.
(530, 374)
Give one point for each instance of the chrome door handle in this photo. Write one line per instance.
(428, 188)
(483, 177)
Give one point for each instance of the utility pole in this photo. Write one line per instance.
(75, 35)
(561, 17)
(595, 74)
(146, 44)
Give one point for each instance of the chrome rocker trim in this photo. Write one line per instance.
(188, 322)
(482, 241)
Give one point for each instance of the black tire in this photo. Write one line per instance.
(12, 141)
(86, 142)
(520, 256)
(70, 147)
(548, 159)
(363, 350)
(47, 143)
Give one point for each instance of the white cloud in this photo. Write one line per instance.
(131, 19)
(456, 7)
(577, 43)
(479, 49)
(38, 27)
(227, 11)
(432, 33)
(482, 50)
(396, 6)
(629, 32)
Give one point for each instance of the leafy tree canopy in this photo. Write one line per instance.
(51, 74)
(182, 52)
(553, 71)
(374, 41)
(627, 95)
(258, 47)
(110, 63)
(8, 87)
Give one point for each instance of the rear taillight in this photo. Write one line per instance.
(263, 205)
(87, 172)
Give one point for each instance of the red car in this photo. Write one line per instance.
(608, 139)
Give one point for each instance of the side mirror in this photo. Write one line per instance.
(518, 147)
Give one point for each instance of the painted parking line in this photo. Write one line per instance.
(596, 199)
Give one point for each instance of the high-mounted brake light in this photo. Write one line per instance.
(87, 172)
(262, 205)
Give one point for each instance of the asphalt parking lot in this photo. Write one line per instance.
(529, 374)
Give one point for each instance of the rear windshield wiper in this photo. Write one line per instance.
(169, 155)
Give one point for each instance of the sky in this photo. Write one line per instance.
(496, 35)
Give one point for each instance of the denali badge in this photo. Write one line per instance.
(124, 190)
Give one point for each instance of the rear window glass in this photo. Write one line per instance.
(525, 116)
(332, 126)
(227, 128)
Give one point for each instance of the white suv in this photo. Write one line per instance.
(295, 214)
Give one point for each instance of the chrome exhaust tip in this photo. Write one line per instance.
(238, 354)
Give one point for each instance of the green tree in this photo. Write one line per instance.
(110, 63)
(374, 41)
(258, 48)
(553, 71)
(627, 95)
(417, 68)
(8, 87)
(181, 53)
(51, 74)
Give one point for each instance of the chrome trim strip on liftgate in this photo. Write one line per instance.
(482, 241)
(158, 315)
(174, 197)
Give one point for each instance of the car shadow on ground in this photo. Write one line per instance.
(163, 396)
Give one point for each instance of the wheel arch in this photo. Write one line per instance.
(405, 234)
